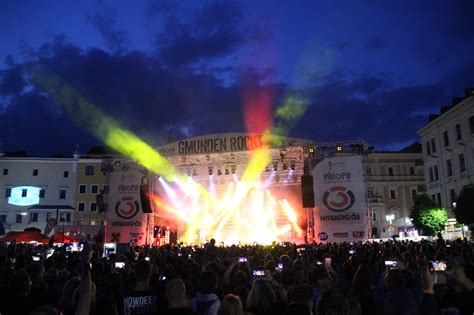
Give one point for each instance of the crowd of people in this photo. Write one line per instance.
(392, 277)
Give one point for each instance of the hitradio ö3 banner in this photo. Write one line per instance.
(340, 213)
(125, 219)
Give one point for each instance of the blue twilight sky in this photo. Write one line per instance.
(369, 70)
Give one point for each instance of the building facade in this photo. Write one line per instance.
(448, 151)
(393, 180)
(91, 180)
(35, 190)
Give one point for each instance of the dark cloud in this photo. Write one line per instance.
(212, 31)
(12, 81)
(105, 20)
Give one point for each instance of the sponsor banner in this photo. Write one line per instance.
(340, 213)
(125, 219)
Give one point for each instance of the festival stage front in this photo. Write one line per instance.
(235, 188)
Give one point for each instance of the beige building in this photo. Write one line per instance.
(448, 150)
(92, 179)
(393, 180)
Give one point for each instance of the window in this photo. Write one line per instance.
(19, 218)
(431, 174)
(390, 171)
(433, 197)
(93, 206)
(428, 149)
(458, 132)
(446, 138)
(436, 174)
(41, 193)
(94, 189)
(105, 188)
(452, 195)
(414, 194)
(438, 198)
(64, 217)
(392, 194)
(90, 170)
(50, 215)
(369, 171)
(62, 194)
(80, 222)
(5, 171)
(35, 172)
(24, 192)
(8, 192)
(34, 217)
(92, 222)
(433, 146)
(66, 174)
(462, 164)
(412, 170)
(3, 218)
(374, 216)
(82, 189)
(471, 124)
(449, 166)
(81, 206)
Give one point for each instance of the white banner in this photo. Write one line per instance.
(341, 213)
(125, 219)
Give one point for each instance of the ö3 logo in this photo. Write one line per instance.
(131, 211)
(338, 199)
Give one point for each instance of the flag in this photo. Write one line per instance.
(50, 226)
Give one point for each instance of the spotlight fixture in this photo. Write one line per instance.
(232, 156)
(227, 171)
(275, 167)
(183, 159)
(194, 173)
(267, 169)
(292, 166)
(219, 172)
(233, 169)
(285, 166)
(208, 157)
(210, 171)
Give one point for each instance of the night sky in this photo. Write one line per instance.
(367, 70)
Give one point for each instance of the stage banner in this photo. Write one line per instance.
(125, 219)
(341, 213)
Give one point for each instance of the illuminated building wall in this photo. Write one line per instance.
(27, 182)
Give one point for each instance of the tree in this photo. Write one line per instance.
(426, 215)
(464, 209)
